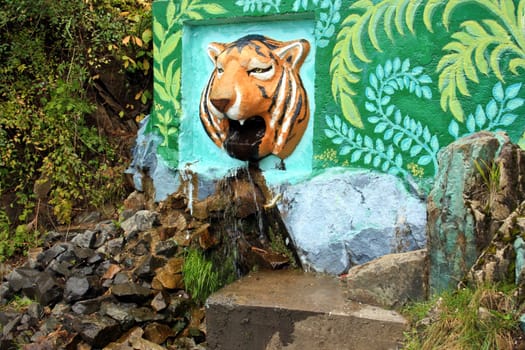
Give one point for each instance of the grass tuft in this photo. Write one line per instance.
(200, 278)
(483, 318)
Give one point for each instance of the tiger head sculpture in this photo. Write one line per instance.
(254, 103)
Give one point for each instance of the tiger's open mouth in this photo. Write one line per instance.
(243, 141)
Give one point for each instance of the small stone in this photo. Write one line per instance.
(125, 341)
(206, 239)
(143, 220)
(131, 292)
(391, 280)
(112, 247)
(10, 326)
(60, 309)
(159, 302)
(126, 214)
(48, 290)
(5, 293)
(82, 253)
(111, 271)
(101, 239)
(60, 268)
(86, 307)
(169, 280)
(173, 222)
(120, 312)
(169, 276)
(95, 329)
(142, 247)
(53, 236)
(76, 288)
(179, 304)
(148, 265)
(166, 248)
(133, 340)
(174, 265)
(135, 201)
(86, 239)
(95, 258)
(107, 226)
(157, 332)
(121, 278)
(145, 314)
(68, 256)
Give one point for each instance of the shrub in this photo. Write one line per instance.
(52, 152)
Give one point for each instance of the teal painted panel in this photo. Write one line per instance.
(395, 81)
(196, 148)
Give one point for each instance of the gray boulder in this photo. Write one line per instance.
(343, 218)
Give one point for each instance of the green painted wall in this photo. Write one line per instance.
(395, 80)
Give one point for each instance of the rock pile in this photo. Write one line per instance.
(110, 286)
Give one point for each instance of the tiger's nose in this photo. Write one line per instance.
(220, 104)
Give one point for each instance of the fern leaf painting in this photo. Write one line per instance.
(401, 137)
(480, 46)
(365, 20)
(167, 68)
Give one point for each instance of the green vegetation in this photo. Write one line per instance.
(200, 278)
(490, 174)
(481, 318)
(19, 303)
(75, 75)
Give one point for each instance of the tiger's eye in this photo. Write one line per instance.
(220, 70)
(259, 70)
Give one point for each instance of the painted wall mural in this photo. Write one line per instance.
(393, 81)
(254, 103)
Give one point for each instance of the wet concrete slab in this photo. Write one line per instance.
(270, 310)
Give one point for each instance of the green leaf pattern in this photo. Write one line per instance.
(328, 18)
(167, 72)
(349, 54)
(259, 5)
(400, 135)
(495, 116)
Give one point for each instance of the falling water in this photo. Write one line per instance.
(249, 233)
(259, 213)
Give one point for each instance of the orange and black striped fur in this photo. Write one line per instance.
(255, 104)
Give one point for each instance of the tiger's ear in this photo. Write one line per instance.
(294, 52)
(214, 50)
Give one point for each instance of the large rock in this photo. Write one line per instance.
(465, 209)
(390, 281)
(344, 218)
